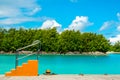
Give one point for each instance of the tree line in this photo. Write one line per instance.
(52, 41)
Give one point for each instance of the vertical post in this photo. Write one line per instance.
(37, 52)
(16, 62)
(39, 47)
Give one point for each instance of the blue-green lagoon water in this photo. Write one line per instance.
(68, 64)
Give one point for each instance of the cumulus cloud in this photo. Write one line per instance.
(79, 23)
(20, 10)
(114, 39)
(51, 24)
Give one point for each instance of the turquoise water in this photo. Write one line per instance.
(68, 64)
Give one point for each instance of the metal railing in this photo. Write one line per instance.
(37, 42)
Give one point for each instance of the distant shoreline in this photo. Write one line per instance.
(113, 52)
(67, 53)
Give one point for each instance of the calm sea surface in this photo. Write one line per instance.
(68, 64)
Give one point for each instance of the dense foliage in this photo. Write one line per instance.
(52, 41)
(116, 47)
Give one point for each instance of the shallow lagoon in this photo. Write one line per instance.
(68, 64)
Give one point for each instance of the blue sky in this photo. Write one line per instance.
(98, 16)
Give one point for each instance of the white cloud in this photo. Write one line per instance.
(79, 23)
(20, 10)
(7, 11)
(51, 24)
(106, 25)
(118, 15)
(18, 20)
(118, 28)
(114, 39)
(35, 11)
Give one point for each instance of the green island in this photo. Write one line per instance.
(68, 41)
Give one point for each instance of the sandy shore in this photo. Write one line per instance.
(64, 77)
(113, 52)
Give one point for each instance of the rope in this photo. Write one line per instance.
(34, 43)
(25, 56)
